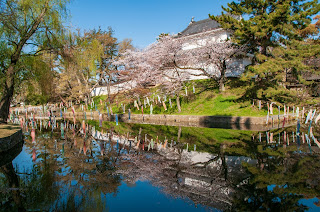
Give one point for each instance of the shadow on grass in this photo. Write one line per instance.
(250, 92)
(9, 127)
(207, 85)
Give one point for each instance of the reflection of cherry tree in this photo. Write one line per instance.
(221, 184)
(202, 182)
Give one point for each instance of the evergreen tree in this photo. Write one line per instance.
(271, 31)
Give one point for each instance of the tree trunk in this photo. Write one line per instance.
(7, 94)
(63, 100)
(108, 88)
(178, 104)
(221, 85)
(222, 77)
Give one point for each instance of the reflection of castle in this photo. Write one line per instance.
(204, 178)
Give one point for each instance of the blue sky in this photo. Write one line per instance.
(141, 20)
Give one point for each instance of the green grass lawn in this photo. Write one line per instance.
(205, 101)
(220, 104)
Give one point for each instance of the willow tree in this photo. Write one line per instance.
(271, 31)
(32, 86)
(27, 28)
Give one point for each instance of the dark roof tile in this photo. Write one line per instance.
(200, 26)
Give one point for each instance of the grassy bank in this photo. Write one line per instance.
(206, 100)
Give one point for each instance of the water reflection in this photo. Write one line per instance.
(279, 181)
(10, 195)
(81, 168)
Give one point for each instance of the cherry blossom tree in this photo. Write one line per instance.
(148, 66)
(205, 57)
(168, 63)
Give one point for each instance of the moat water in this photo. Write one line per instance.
(171, 169)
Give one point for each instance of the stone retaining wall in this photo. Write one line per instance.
(228, 122)
(6, 143)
